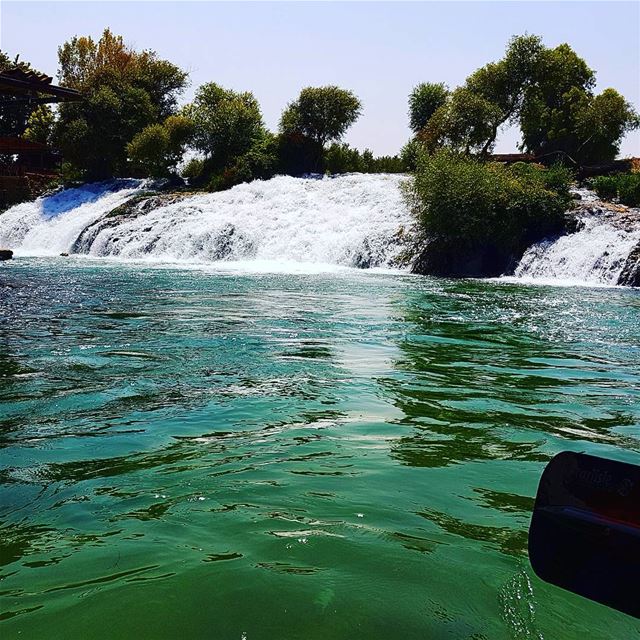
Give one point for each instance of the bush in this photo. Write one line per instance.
(157, 149)
(624, 187)
(193, 170)
(478, 217)
(259, 163)
(341, 158)
(409, 154)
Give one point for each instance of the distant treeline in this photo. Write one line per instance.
(130, 122)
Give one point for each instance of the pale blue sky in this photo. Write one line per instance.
(379, 50)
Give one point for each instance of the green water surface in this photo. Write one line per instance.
(197, 454)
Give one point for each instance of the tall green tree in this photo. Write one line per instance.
(227, 123)
(505, 82)
(469, 118)
(425, 99)
(561, 116)
(465, 123)
(322, 114)
(601, 124)
(548, 92)
(124, 91)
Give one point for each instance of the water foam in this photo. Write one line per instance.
(351, 220)
(49, 225)
(594, 255)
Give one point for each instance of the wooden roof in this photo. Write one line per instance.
(12, 146)
(33, 86)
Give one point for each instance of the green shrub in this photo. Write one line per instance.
(463, 206)
(193, 170)
(624, 187)
(341, 158)
(157, 149)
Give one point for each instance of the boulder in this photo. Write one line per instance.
(6, 254)
(630, 274)
(451, 261)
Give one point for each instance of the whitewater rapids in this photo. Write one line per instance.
(594, 255)
(289, 225)
(357, 220)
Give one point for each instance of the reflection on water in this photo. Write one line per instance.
(310, 456)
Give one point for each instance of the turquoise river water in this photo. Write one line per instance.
(192, 453)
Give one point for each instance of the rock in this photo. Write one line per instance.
(630, 274)
(450, 261)
(6, 254)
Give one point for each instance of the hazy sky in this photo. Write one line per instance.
(379, 50)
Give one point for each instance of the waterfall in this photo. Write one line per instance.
(49, 225)
(594, 255)
(350, 220)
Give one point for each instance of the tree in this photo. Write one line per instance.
(505, 82)
(40, 125)
(601, 124)
(158, 148)
(548, 92)
(124, 92)
(258, 163)
(469, 118)
(425, 99)
(227, 123)
(322, 114)
(561, 116)
(562, 87)
(467, 123)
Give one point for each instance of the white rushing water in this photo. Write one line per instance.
(284, 224)
(350, 220)
(50, 225)
(595, 255)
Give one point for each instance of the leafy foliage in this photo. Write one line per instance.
(548, 92)
(158, 148)
(124, 92)
(425, 99)
(40, 125)
(463, 205)
(227, 123)
(298, 154)
(465, 123)
(624, 187)
(322, 114)
(258, 163)
(341, 158)
(230, 132)
(560, 115)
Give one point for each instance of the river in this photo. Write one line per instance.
(198, 452)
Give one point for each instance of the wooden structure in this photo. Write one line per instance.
(20, 85)
(24, 164)
(32, 157)
(510, 158)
